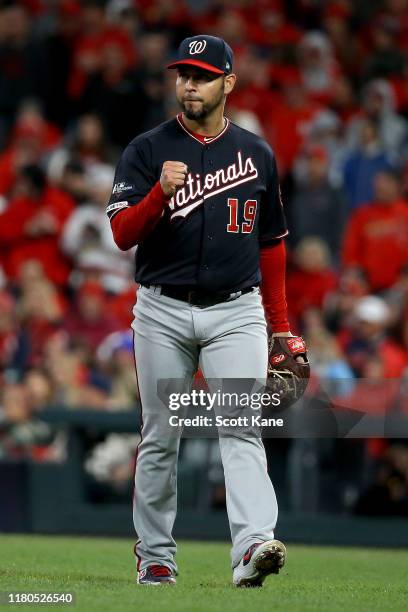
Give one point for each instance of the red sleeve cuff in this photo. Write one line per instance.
(133, 224)
(158, 193)
(273, 269)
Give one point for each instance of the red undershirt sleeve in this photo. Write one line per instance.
(273, 268)
(131, 225)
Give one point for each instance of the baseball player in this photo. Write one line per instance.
(199, 196)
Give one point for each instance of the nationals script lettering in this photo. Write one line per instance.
(197, 189)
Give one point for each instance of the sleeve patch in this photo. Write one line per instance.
(120, 187)
(116, 206)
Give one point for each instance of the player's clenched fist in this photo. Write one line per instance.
(173, 175)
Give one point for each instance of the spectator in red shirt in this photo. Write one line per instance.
(96, 35)
(376, 238)
(90, 322)
(30, 139)
(311, 279)
(31, 226)
(253, 92)
(286, 126)
(41, 311)
(26, 149)
(122, 304)
(88, 145)
(31, 117)
(268, 27)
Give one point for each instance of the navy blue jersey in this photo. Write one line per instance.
(211, 231)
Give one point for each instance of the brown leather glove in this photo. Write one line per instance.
(288, 368)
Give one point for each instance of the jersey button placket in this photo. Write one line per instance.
(205, 253)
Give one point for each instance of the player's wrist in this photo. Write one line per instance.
(165, 191)
(165, 196)
(282, 334)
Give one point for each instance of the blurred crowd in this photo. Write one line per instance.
(325, 82)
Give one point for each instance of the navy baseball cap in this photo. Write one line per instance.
(208, 52)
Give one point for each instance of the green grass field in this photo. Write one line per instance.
(101, 574)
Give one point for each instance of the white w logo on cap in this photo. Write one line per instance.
(197, 46)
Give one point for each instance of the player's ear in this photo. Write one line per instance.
(229, 83)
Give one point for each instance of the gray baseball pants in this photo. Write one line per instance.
(228, 341)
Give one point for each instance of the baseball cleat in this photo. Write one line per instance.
(259, 561)
(156, 575)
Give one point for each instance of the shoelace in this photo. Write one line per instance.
(159, 570)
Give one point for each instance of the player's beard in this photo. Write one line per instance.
(206, 109)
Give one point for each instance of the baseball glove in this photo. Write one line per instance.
(287, 376)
